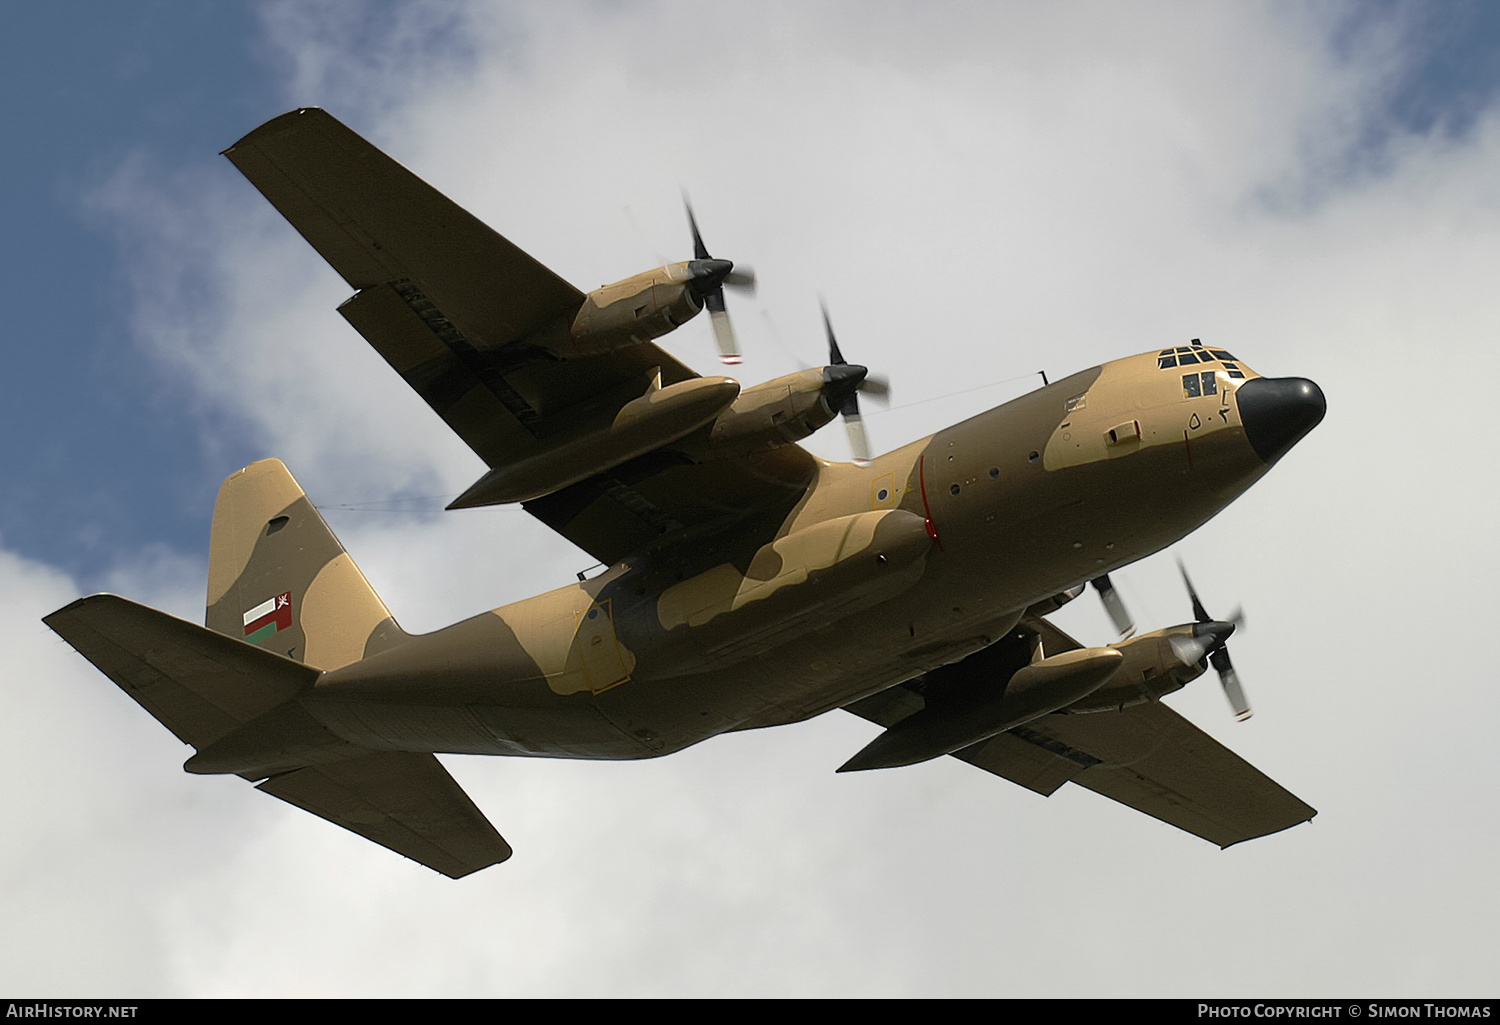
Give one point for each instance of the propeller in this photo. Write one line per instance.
(1113, 604)
(842, 383)
(1210, 637)
(709, 276)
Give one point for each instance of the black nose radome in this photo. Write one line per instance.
(1278, 411)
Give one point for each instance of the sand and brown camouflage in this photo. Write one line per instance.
(269, 544)
(748, 583)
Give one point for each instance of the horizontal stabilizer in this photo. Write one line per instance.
(199, 684)
(406, 802)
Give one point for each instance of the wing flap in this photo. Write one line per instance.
(405, 802)
(1030, 765)
(460, 384)
(669, 493)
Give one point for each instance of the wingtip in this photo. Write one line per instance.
(103, 597)
(502, 858)
(278, 124)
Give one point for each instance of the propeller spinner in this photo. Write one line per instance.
(842, 383)
(1212, 635)
(709, 276)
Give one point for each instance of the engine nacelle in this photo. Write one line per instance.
(633, 311)
(1154, 665)
(778, 412)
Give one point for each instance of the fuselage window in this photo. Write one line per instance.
(1190, 385)
(1210, 384)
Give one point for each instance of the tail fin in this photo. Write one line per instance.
(278, 578)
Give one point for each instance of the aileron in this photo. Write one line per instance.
(1155, 761)
(376, 222)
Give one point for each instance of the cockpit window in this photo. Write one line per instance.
(1205, 383)
(1187, 355)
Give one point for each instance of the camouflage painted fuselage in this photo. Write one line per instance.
(880, 573)
(749, 584)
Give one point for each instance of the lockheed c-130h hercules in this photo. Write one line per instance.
(748, 583)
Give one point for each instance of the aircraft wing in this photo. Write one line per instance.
(375, 222)
(1151, 759)
(403, 801)
(445, 299)
(1146, 757)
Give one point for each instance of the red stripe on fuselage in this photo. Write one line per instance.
(927, 509)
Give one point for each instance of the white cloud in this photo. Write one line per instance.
(980, 190)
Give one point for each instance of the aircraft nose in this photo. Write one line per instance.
(1278, 411)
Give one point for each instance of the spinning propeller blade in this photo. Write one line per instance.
(709, 278)
(1113, 604)
(842, 383)
(1216, 634)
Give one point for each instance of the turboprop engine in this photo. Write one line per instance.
(651, 303)
(643, 307)
(964, 705)
(778, 412)
(790, 408)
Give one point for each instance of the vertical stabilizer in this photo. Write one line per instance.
(278, 578)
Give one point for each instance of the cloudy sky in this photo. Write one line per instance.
(980, 191)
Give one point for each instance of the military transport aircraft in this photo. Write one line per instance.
(749, 583)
